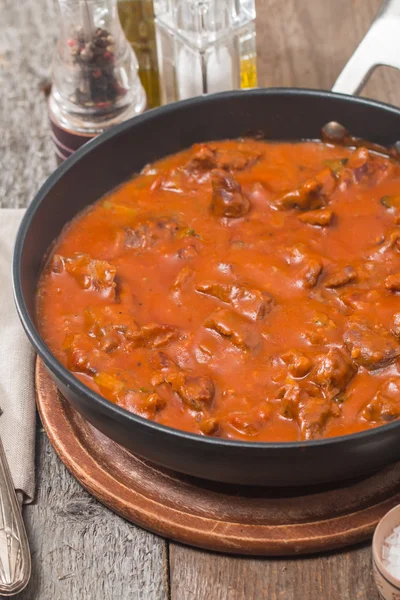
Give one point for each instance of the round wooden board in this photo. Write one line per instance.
(238, 520)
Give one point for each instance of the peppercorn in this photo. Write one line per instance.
(98, 85)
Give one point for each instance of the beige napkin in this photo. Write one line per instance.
(17, 395)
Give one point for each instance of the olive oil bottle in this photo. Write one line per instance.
(137, 19)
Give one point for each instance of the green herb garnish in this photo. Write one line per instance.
(336, 164)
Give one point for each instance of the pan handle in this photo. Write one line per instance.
(380, 46)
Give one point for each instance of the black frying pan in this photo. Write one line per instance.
(101, 165)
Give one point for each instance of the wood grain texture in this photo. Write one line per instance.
(304, 43)
(199, 575)
(81, 550)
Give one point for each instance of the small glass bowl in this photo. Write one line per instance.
(388, 586)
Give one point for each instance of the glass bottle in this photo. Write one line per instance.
(205, 46)
(137, 20)
(95, 82)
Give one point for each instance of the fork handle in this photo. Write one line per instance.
(15, 558)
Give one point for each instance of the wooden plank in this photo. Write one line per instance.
(197, 575)
(80, 549)
(306, 43)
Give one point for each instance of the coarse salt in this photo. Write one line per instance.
(391, 553)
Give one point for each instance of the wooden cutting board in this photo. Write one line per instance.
(225, 518)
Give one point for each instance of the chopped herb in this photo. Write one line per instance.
(336, 164)
(187, 232)
(144, 390)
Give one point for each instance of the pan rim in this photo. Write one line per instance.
(107, 407)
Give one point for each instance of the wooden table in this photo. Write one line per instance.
(80, 550)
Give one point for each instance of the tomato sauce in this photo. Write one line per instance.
(240, 289)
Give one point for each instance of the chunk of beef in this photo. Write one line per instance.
(152, 231)
(81, 354)
(152, 335)
(90, 274)
(392, 282)
(314, 415)
(57, 264)
(228, 199)
(333, 371)
(144, 404)
(206, 158)
(195, 391)
(236, 160)
(339, 276)
(291, 395)
(311, 265)
(307, 405)
(311, 271)
(202, 161)
(110, 340)
(321, 217)
(391, 241)
(187, 252)
(235, 328)
(366, 168)
(100, 319)
(209, 426)
(362, 164)
(251, 303)
(250, 422)
(385, 405)
(109, 325)
(161, 361)
(299, 364)
(310, 195)
(395, 329)
(115, 328)
(358, 299)
(182, 278)
(370, 347)
(244, 423)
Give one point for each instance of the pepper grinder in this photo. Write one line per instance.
(95, 81)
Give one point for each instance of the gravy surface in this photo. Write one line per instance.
(239, 289)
